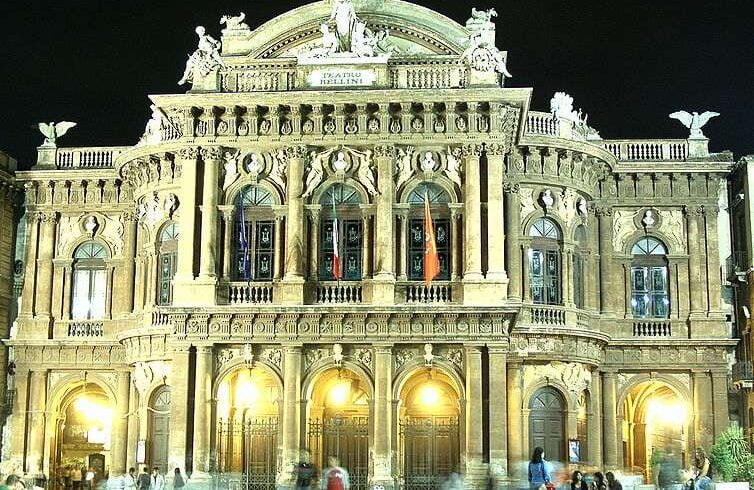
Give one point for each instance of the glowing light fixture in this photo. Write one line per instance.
(340, 393)
(429, 394)
(668, 413)
(247, 393)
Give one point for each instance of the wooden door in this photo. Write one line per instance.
(547, 424)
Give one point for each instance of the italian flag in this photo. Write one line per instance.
(335, 244)
(431, 259)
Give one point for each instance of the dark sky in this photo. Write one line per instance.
(627, 63)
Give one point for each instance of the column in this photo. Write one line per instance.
(567, 279)
(133, 427)
(475, 470)
(228, 245)
(382, 415)
(498, 393)
(720, 401)
(314, 216)
(179, 408)
(291, 416)
(30, 267)
(384, 242)
(703, 423)
(202, 399)
(187, 222)
(610, 419)
(208, 260)
(124, 293)
(605, 217)
(120, 425)
(455, 268)
(292, 289)
(366, 246)
(277, 256)
(472, 215)
(37, 416)
(696, 289)
(594, 421)
(495, 213)
(44, 263)
(713, 260)
(592, 270)
(515, 432)
(19, 414)
(513, 230)
(403, 249)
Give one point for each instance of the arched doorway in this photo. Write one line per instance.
(547, 423)
(247, 428)
(159, 428)
(429, 439)
(339, 423)
(655, 426)
(83, 429)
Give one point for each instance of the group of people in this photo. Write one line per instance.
(335, 477)
(150, 481)
(540, 475)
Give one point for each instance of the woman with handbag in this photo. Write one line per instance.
(540, 473)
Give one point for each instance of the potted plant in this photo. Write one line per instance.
(732, 461)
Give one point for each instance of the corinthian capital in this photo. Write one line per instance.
(496, 149)
(472, 150)
(602, 210)
(694, 211)
(189, 153)
(48, 217)
(212, 153)
(296, 151)
(511, 187)
(384, 151)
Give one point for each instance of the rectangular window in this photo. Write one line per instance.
(416, 249)
(259, 258)
(350, 234)
(649, 292)
(544, 276)
(89, 294)
(167, 272)
(578, 281)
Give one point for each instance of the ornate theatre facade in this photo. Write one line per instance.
(182, 288)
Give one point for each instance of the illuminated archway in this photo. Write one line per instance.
(247, 424)
(655, 425)
(83, 429)
(429, 438)
(338, 422)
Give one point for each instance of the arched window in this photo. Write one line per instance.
(168, 262)
(649, 279)
(254, 236)
(579, 267)
(544, 262)
(341, 202)
(89, 282)
(438, 201)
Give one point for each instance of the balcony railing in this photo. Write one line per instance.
(93, 157)
(743, 374)
(546, 315)
(542, 123)
(736, 266)
(652, 328)
(329, 293)
(250, 293)
(651, 150)
(87, 329)
(437, 292)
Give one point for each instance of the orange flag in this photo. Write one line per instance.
(431, 259)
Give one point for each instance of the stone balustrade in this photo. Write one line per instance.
(250, 293)
(648, 150)
(84, 329)
(339, 292)
(542, 123)
(545, 315)
(418, 292)
(87, 157)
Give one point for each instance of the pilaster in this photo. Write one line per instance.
(184, 276)
(120, 425)
(512, 228)
(476, 472)
(383, 291)
(495, 224)
(610, 419)
(292, 287)
(291, 415)
(382, 415)
(498, 408)
(515, 428)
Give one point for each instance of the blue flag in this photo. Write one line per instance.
(243, 242)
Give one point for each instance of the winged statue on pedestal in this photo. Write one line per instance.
(694, 121)
(53, 131)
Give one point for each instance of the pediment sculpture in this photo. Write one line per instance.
(481, 53)
(345, 35)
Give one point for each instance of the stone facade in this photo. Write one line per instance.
(534, 320)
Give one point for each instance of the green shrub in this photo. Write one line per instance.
(731, 456)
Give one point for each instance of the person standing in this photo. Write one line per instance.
(129, 479)
(540, 472)
(178, 481)
(157, 481)
(76, 478)
(577, 481)
(304, 472)
(143, 482)
(89, 479)
(612, 483)
(335, 477)
(703, 477)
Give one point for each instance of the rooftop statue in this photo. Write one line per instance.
(561, 108)
(204, 60)
(234, 23)
(346, 35)
(482, 54)
(694, 121)
(54, 131)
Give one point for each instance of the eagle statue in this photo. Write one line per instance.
(694, 121)
(53, 131)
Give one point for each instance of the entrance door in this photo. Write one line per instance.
(547, 423)
(247, 453)
(430, 451)
(346, 438)
(159, 428)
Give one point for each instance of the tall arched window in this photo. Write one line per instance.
(544, 262)
(579, 267)
(649, 279)
(254, 236)
(168, 262)
(341, 201)
(89, 282)
(438, 201)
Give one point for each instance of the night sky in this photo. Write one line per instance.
(628, 64)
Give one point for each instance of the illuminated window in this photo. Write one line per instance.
(544, 262)
(254, 236)
(579, 267)
(438, 202)
(350, 233)
(89, 282)
(649, 279)
(168, 262)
